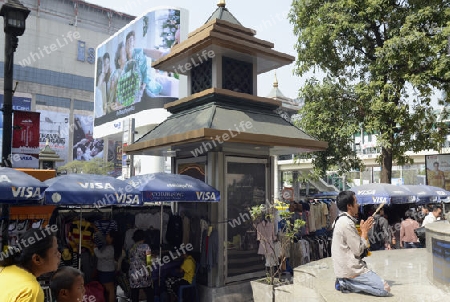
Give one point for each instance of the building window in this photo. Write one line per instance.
(201, 77)
(237, 75)
(47, 100)
(83, 105)
(285, 157)
(81, 54)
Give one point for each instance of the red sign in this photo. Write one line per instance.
(26, 132)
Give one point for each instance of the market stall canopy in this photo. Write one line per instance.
(90, 190)
(377, 193)
(17, 187)
(165, 187)
(428, 194)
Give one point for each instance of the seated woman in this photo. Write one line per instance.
(187, 273)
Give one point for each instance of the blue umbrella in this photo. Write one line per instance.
(428, 194)
(19, 187)
(90, 190)
(376, 193)
(165, 187)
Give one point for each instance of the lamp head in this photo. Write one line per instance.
(14, 15)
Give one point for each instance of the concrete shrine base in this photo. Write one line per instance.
(406, 270)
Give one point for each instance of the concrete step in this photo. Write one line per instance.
(289, 293)
(405, 270)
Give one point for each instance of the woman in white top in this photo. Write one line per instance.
(106, 266)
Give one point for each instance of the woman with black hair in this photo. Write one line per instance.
(35, 254)
(408, 239)
(106, 265)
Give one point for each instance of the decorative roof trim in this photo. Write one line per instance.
(208, 134)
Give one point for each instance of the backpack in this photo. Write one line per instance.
(94, 292)
(376, 235)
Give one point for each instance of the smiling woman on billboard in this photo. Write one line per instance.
(132, 85)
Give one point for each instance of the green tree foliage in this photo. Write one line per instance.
(383, 60)
(95, 166)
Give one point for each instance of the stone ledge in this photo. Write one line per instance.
(289, 293)
(405, 270)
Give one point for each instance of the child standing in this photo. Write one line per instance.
(67, 285)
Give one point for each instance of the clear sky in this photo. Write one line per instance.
(268, 18)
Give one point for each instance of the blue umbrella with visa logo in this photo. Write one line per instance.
(17, 187)
(428, 194)
(164, 187)
(90, 190)
(378, 193)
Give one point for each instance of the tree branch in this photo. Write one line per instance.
(375, 29)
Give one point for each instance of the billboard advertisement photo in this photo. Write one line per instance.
(54, 131)
(26, 132)
(125, 82)
(85, 147)
(438, 170)
(21, 102)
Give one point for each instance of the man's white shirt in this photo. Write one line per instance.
(429, 219)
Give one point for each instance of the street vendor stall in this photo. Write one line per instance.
(79, 191)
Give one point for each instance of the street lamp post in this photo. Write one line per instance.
(14, 15)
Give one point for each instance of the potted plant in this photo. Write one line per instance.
(264, 289)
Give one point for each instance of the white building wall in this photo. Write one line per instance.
(46, 61)
(51, 45)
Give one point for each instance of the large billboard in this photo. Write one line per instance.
(55, 132)
(25, 140)
(25, 132)
(20, 102)
(438, 170)
(85, 147)
(125, 83)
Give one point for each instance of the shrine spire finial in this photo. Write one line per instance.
(221, 3)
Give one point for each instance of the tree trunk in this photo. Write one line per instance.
(273, 292)
(386, 165)
(272, 276)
